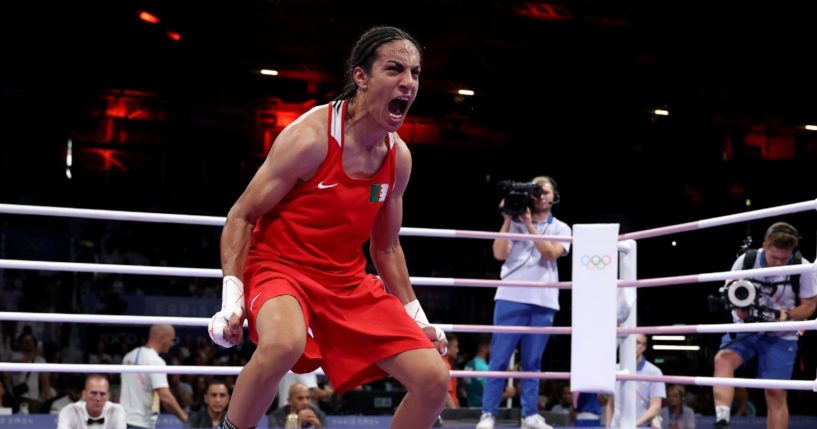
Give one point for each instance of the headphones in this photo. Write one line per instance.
(785, 229)
(556, 196)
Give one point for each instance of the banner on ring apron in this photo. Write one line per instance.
(593, 339)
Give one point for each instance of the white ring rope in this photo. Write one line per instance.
(230, 370)
(721, 276)
(17, 316)
(110, 369)
(489, 329)
(512, 374)
(459, 233)
(19, 209)
(442, 281)
(82, 267)
(79, 267)
(203, 321)
(721, 328)
(551, 330)
(219, 221)
(722, 381)
(722, 220)
(235, 370)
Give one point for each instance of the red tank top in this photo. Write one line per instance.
(320, 226)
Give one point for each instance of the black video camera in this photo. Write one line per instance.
(745, 294)
(518, 196)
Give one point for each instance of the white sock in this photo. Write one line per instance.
(722, 412)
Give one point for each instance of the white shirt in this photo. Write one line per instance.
(290, 378)
(59, 404)
(525, 263)
(783, 297)
(138, 394)
(644, 391)
(75, 416)
(28, 377)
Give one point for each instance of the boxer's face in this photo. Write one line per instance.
(391, 86)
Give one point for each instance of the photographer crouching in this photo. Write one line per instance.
(526, 209)
(765, 299)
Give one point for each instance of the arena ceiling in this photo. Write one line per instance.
(726, 58)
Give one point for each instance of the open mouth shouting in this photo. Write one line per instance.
(398, 107)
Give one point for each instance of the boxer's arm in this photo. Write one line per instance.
(384, 244)
(387, 254)
(295, 156)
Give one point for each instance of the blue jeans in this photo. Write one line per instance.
(531, 347)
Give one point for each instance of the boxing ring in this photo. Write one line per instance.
(623, 289)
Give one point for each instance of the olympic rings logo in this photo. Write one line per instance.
(596, 262)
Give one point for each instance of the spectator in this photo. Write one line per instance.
(100, 357)
(216, 401)
(94, 411)
(6, 399)
(31, 388)
(310, 380)
(300, 403)
(742, 406)
(649, 394)
(587, 410)
(474, 386)
(676, 415)
(73, 393)
(563, 404)
(450, 359)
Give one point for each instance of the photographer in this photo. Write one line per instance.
(778, 298)
(519, 306)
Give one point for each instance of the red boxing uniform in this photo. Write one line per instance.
(310, 246)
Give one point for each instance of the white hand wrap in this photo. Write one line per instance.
(232, 302)
(415, 311)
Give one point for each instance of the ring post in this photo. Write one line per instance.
(593, 341)
(628, 309)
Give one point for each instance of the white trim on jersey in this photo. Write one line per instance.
(336, 128)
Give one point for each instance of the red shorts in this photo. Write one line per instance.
(355, 326)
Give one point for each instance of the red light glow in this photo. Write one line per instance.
(148, 17)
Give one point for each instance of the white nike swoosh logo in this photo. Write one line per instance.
(322, 186)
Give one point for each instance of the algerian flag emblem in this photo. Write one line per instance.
(378, 193)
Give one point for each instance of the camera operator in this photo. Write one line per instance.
(519, 306)
(778, 299)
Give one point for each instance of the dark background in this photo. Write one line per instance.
(566, 89)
